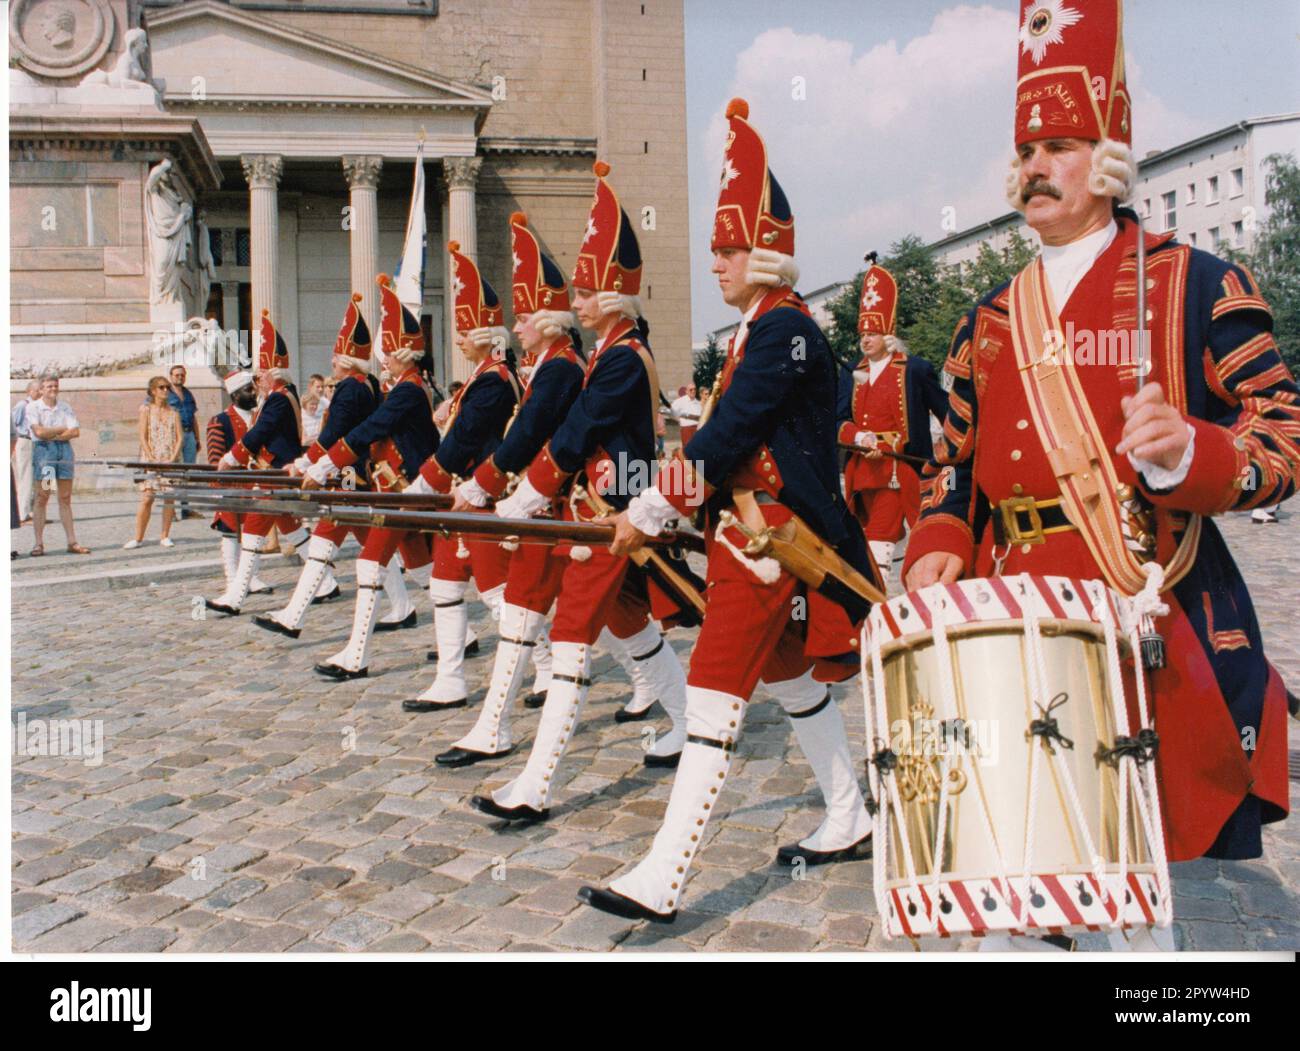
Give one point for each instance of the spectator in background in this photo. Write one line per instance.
(160, 442)
(180, 399)
(21, 449)
(15, 519)
(53, 426)
(315, 385)
(327, 392)
(443, 412)
(686, 410)
(313, 416)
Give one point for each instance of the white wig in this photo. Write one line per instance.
(617, 303)
(767, 267)
(551, 324)
(1114, 174)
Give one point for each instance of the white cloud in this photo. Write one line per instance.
(885, 140)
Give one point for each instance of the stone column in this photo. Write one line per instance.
(461, 174)
(263, 171)
(362, 172)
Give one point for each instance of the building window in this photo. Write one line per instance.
(1238, 183)
(1214, 238)
(1169, 202)
(1146, 208)
(1193, 239)
(214, 245)
(1212, 190)
(1191, 193)
(1238, 231)
(243, 248)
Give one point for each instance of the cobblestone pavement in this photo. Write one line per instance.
(243, 804)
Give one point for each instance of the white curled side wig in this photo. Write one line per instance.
(283, 375)
(551, 324)
(494, 338)
(767, 267)
(617, 303)
(1114, 173)
(895, 345)
(349, 362)
(404, 355)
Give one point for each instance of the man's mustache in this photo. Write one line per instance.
(1036, 186)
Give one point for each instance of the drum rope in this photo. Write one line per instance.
(947, 715)
(1119, 707)
(873, 696)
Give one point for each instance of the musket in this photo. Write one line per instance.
(231, 475)
(363, 497)
(647, 558)
(146, 465)
(919, 461)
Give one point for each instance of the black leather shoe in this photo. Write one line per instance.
(221, 607)
(329, 596)
(333, 671)
(624, 716)
(433, 706)
(409, 621)
(618, 905)
(665, 761)
(470, 651)
(854, 852)
(271, 624)
(455, 757)
(485, 805)
(534, 700)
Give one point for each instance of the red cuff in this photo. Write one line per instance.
(1214, 482)
(545, 474)
(432, 472)
(491, 478)
(849, 431)
(940, 532)
(683, 486)
(341, 455)
(315, 451)
(241, 454)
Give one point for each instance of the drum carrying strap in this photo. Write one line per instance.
(1072, 440)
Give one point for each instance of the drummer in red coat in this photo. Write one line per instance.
(1214, 427)
(886, 407)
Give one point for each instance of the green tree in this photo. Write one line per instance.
(708, 363)
(1275, 260)
(842, 332)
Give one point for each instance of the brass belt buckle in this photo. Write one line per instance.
(1011, 509)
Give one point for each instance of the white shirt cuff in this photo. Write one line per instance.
(524, 502)
(321, 471)
(228, 461)
(302, 464)
(1159, 478)
(471, 492)
(651, 512)
(420, 487)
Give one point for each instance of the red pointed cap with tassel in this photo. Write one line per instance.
(476, 301)
(610, 257)
(878, 308)
(353, 340)
(536, 283)
(399, 329)
(271, 350)
(752, 208)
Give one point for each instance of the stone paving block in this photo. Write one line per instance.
(142, 939)
(276, 938)
(36, 921)
(80, 935)
(401, 904)
(356, 931)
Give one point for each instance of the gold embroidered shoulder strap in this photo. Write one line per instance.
(1072, 440)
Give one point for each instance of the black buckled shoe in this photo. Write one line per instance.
(486, 805)
(456, 757)
(470, 651)
(221, 607)
(409, 621)
(535, 700)
(271, 624)
(333, 671)
(416, 705)
(624, 716)
(667, 762)
(853, 852)
(617, 904)
(329, 596)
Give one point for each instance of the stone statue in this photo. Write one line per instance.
(129, 72)
(207, 265)
(169, 217)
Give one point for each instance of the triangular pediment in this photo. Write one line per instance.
(241, 56)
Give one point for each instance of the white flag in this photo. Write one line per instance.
(409, 274)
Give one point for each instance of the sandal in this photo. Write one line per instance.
(77, 549)
(38, 550)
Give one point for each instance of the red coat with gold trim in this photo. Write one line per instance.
(1220, 708)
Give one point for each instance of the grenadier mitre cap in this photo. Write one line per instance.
(752, 208)
(271, 350)
(476, 302)
(537, 283)
(354, 334)
(610, 257)
(878, 308)
(400, 333)
(1070, 82)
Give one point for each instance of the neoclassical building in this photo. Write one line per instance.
(175, 160)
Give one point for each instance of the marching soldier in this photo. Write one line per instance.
(765, 451)
(355, 398)
(397, 438)
(544, 324)
(274, 440)
(887, 406)
(479, 413)
(1112, 470)
(609, 436)
(223, 431)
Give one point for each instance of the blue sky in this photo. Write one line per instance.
(907, 107)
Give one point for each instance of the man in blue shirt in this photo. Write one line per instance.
(180, 399)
